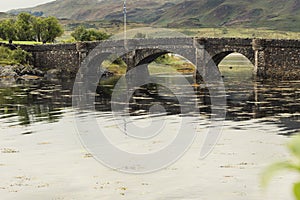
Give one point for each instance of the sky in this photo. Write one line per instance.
(6, 5)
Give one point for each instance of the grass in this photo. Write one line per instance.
(171, 64)
(193, 32)
(22, 42)
(240, 33)
(161, 69)
(7, 62)
(234, 66)
(154, 32)
(114, 68)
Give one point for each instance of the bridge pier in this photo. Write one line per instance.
(136, 73)
(82, 50)
(259, 58)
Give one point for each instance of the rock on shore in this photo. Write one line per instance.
(20, 72)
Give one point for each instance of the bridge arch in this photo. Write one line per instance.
(142, 56)
(141, 61)
(219, 57)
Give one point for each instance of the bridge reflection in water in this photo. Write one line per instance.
(274, 102)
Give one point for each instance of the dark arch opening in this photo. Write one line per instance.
(149, 59)
(168, 62)
(220, 56)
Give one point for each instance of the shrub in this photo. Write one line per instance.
(164, 59)
(293, 165)
(17, 56)
(5, 53)
(21, 56)
(140, 35)
(83, 34)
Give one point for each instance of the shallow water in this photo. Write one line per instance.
(43, 158)
(276, 102)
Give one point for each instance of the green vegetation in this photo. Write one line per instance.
(271, 14)
(240, 32)
(14, 57)
(140, 35)
(195, 32)
(213, 18)
(170, 63)
(115, 65)
(21, 42)
(167, 63)
(291, 165)
(88, 10)
(266, 14)
(83, 34)
(27, 27)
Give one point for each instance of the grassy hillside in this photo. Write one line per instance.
(272, 14)
(4, 15)
(138, 11)
(268, 14)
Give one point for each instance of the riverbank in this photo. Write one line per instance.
(20, 72)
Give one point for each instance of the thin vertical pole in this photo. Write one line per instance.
(125, 24)
(125, 47)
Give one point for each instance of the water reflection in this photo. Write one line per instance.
(26, 102)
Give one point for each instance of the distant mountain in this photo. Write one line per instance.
(146, 11)
(4, 15)
(274, 14)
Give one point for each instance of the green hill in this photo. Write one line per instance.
(90, 10)
(270, 14)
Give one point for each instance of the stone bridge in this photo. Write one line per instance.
(270, 58)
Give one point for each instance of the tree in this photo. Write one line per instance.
(8, 30)
(38, 26)
(24, 27)
(83, 34)
(31, 28)
(80, 34)
(97, 35)
(50, 29)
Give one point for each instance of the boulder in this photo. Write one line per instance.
(52, 74)
(7, 72)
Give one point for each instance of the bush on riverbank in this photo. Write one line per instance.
(288, 165)
(14, 57)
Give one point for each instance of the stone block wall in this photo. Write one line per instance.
(282, 59)
(63, 57)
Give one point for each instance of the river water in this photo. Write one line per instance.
(28, 102)
(42, 110)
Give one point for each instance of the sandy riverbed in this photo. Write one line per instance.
(50, 163)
